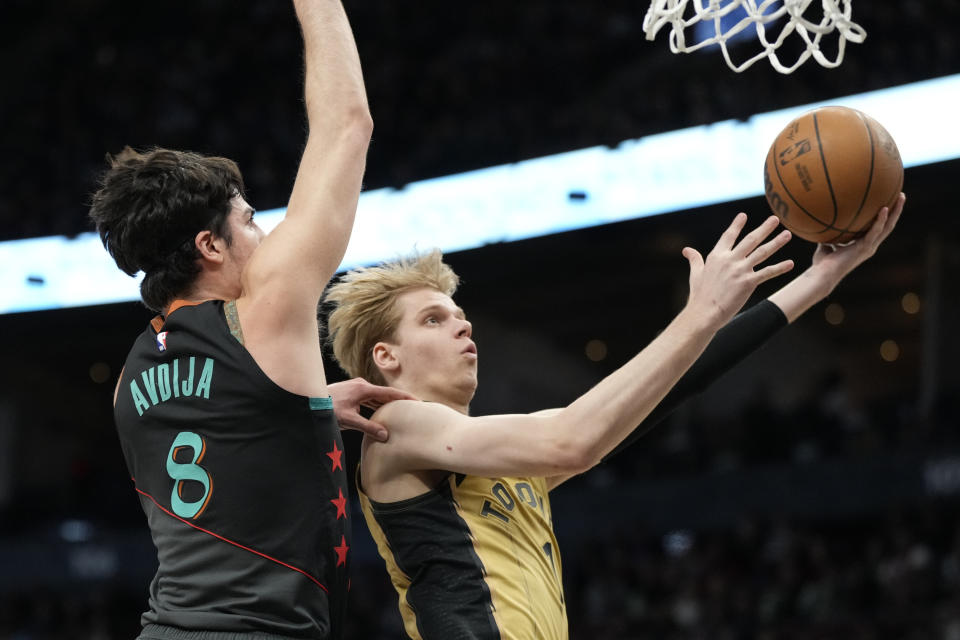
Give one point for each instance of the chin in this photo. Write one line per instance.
(471, 386)
(465, 383)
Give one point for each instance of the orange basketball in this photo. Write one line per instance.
(829, 172)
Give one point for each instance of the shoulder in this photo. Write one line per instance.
(414, 414)
(402, 467)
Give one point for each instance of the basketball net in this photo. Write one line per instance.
(836, 18)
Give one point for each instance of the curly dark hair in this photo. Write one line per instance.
(149, 208)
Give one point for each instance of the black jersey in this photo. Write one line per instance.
(242, 482)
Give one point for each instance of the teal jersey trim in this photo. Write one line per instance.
(319, 404)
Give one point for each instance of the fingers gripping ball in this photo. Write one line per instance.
(829, 172)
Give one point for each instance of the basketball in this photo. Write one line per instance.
(829, 172)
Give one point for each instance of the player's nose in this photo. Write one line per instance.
(465, 330)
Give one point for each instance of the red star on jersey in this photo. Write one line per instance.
(341, 504)
(335, 456)
(342, 551)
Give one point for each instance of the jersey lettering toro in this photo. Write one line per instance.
(242, 482)
(473, 559)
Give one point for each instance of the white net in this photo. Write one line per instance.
(731, 19)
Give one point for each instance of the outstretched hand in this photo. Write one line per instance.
(348, 396)
(835, 262)
(722, 283)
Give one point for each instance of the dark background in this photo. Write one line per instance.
(811, 493)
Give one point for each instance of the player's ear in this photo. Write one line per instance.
(208, 245)
(385, 356)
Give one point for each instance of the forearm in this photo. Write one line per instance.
(333, 80)
(739, 338)
(719, 286)
(804, 291)
(605, 415)
(298, 257)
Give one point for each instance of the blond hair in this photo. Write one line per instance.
(364, 310)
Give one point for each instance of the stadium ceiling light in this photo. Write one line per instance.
(657, 174)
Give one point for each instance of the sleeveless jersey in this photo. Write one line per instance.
(473, 559)
(242, 482)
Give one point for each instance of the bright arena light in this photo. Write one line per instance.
(647, 176)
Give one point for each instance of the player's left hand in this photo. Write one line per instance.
(348, 396)
(837, 261)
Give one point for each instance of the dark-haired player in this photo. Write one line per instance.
(223, 410)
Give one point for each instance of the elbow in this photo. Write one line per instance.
(351, 118)
(350, 112)
(356, 130)
(354, 123)
(359, 121)
(347, 137)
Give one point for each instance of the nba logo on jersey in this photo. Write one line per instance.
(162, 341)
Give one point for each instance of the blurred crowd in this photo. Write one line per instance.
(892, 572)
(831, 423)
(894, 575)
(886, 576)
(488, 83)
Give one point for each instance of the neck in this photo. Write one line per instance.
(209, 288)
(186, 300)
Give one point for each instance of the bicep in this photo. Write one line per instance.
(501, 445)
(297, 259)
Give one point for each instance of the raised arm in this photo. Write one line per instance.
(285, 277)
(425, 436)
(304, 250)
(739, 338)
(559, 443)
(751, 329)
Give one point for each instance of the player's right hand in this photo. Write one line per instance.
(350, 395)
(724, 281)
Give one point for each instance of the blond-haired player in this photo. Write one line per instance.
(459, 505)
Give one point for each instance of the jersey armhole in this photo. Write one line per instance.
(232, 317)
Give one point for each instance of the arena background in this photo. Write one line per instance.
(811, 493)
